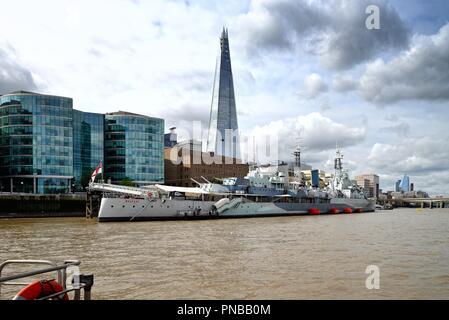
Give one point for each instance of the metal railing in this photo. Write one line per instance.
(81, 281)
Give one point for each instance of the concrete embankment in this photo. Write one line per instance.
(34, 205)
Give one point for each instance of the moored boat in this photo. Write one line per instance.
(278, 197)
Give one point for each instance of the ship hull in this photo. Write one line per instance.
(119, 209)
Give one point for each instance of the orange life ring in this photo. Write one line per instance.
(40, 289)
(150, 194)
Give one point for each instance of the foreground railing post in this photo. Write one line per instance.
(88, 281)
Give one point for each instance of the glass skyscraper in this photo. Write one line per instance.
(88, 145)
(223, 136)
(134, 148)
(405, 185)
(398, 186)
(36, 143)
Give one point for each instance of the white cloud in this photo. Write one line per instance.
(401, 128)
(420, 73)
(13, 75)
(333, 30)
(145, 57)
(411, 155)
(316, 133)
(314, 85)
(343, 83)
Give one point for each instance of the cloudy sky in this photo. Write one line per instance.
(308, 67)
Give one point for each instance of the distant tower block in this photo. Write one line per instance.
(223, 136)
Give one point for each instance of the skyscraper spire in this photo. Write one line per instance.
(223, 126)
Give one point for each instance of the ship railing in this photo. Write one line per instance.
(79, 281)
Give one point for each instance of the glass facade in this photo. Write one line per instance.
(36, 143)
(48, 147)
(223, 115)
(134, 148)
(88, 146)
(405, 184)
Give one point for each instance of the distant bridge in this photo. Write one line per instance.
(427, 202)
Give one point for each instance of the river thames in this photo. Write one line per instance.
(307, 257)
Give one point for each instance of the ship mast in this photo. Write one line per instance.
(297, 151)
(338, 166)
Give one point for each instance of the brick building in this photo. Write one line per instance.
(183, 163)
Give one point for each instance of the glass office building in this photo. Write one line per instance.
(405, 184)
(134, 148)
(36, 143)
(48, 147)
(88, 146)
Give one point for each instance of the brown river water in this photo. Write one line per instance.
(307, 257)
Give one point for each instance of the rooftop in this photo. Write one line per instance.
(23, 92)
(124, 113)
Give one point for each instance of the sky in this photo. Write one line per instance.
(308, 71)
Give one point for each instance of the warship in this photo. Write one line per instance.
(259, 194)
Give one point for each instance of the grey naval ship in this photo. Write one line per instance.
(260, 194)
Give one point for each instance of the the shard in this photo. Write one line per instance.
(223, 136)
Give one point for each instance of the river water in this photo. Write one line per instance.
(308, 257)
